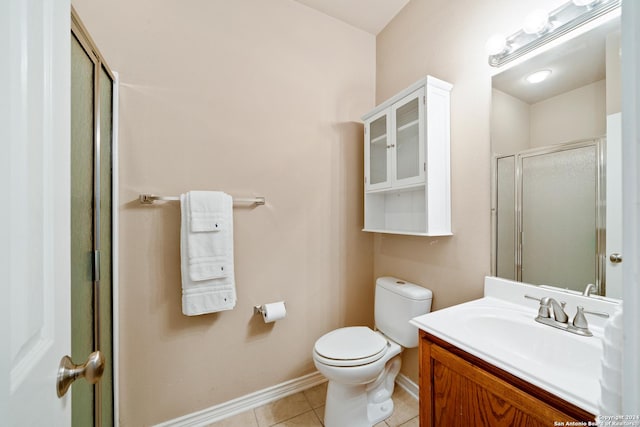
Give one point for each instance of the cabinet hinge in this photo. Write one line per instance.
(424, 166)
(365, 179)
(424, 100)
(96, 266)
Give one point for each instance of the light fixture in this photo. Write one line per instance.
(541, 27)
(496, 44)
(538, 76)
(585, 2)
(537, 22)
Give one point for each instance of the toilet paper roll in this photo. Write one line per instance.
(274, 311)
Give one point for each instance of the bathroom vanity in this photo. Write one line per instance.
(456, 387)
(489, 362)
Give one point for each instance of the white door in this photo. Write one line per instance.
(613, 245)
(34, 212)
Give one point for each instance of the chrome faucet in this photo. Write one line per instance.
(551, 313)
(589, 290)
(557, 309)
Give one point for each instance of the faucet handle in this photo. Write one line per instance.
(543, 310)
(596, 313)
(580, 321)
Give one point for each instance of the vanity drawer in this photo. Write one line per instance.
(459, 389)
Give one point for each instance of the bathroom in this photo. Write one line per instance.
(265, 98)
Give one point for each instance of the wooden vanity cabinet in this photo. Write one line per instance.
(459, 389)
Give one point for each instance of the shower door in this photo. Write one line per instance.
(549, 216)
(91, 226)
(559, 229)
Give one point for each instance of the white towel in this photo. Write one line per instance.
(206, 250)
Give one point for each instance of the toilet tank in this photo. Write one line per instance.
(397, 302)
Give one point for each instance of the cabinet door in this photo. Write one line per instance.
(408, 163)
(456, 392)
(377, 158)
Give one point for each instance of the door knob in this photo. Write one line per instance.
(68, 372)
(615, 258)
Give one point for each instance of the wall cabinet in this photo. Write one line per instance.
(407, 162)
(459, 389)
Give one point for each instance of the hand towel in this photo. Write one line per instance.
(206, 250)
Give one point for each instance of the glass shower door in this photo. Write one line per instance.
(558, 217)
(91, 226)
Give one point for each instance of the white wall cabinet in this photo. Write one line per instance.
(407, 162)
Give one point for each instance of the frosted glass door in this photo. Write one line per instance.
(505, 218)
(408, 153)
(559, 218)
(377, 153)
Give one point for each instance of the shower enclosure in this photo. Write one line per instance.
(549, 207)
(92, 109)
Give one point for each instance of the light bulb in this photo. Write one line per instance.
(538, 76)
(536, 22)
(496, 44)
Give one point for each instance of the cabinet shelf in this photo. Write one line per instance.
(408, 125)
(405, 233)
(378, 139)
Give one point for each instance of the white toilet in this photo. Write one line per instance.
(361, 365)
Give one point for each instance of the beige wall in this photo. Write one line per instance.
(446, 39)
(571, 116)
(252, 98)
(510, 123)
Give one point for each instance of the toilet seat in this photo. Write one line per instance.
(351, 346)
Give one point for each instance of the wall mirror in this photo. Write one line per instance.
(556, 164)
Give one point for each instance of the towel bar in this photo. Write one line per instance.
(149, 199)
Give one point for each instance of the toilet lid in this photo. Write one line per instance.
(352, 343)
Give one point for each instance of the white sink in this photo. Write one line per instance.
(501, 330)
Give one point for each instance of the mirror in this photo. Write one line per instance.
(556, 183)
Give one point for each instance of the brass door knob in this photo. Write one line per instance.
(68, 372)
(615, 258)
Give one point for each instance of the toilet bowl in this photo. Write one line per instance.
(361, 364)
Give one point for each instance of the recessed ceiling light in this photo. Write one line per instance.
(538, 76)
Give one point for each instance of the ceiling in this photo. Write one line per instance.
(368, 15)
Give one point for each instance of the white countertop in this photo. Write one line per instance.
(500, 329)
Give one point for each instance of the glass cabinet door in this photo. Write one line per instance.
(378, 161)
(408, 145)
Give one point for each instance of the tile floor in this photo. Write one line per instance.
(306, 409)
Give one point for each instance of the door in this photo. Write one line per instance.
(34, 214)
(377, 152)
(559, 200)
(407, 147)
(91, 252)
(613, 255)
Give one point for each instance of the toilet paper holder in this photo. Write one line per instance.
(258, 309)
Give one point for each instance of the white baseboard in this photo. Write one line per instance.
(407, 385)
(262, 397)
(245, 403)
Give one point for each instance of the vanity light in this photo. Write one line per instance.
(541, 27)
(537, 22)
(585, 2)
(496, 44)
(538, 76)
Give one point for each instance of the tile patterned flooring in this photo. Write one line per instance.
(306, 409)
